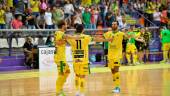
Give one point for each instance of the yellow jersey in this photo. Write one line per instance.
(10, 3)
(116, 44)
(2, 14)
(80, 48)
(60, 49)
(34, 5)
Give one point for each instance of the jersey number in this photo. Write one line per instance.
(78, 44)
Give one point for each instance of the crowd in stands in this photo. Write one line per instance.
(41, 14)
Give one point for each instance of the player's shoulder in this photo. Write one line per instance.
(108, 32)
(59, 33)
(121, 33)
(84, 35)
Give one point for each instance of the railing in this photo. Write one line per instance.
(36, 33)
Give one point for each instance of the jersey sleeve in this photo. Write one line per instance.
(88, 38)
(138, 35)
(107, 35)
(70, 41)
(58, 36)
(122, 33)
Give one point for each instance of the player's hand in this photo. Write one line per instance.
(110, 40)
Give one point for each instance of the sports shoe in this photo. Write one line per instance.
(61, 94)
(82, 95)
(77, 93)
(116, 90)
(163, 61)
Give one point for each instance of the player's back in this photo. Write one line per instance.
(80, 48)
(60, 49)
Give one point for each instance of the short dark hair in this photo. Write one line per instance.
(61, 23)
(79, 28)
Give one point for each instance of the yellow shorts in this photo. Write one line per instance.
(81, 68)
(114, 58)
(131, 48)
(63, 68)
(166, 47)
(113, 63)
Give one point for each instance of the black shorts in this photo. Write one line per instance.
(105, 51)
(141, 46)
(124, 43)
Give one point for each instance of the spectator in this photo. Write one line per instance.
(86, 16)
(115, 6)
(77, 18)
(110, 18)
(34, 4)
(68, 11)
(30, 18)
(57, 15)
(102, 14)
(8, 17)
(2, 17)
(93, 18)
(149, 12)
(16, 24)
(48, 19)
(164, 18)
(26, 2)
(49, 41)
(27, 47)
(119, 20)
(43, 5)
(40, 21)
(157, 17)
(86, 2)
(41, 40)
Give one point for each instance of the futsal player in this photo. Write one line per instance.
(131, 47)
(60, 57)
(165, 39)
(115, 54)
(80, 57)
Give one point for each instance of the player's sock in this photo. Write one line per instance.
(82, 85)
(114, 79)
(117, 79)
(135, 58)
(59, 83)
(128, 58)
(77, 83)
(165, 56)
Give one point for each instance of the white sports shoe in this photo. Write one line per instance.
(116, 90)
(77, 93)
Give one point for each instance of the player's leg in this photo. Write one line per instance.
(63, 72)
(84, 71)
(114, 66)
(134, 55)
(77, 78)
(165, 53)
(116, 75)
(82, 85)
(128, 54)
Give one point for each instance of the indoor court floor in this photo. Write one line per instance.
(140, 80)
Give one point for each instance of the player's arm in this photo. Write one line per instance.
(140, 39)
(59, 41)
(101, 39)
(71, 37)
